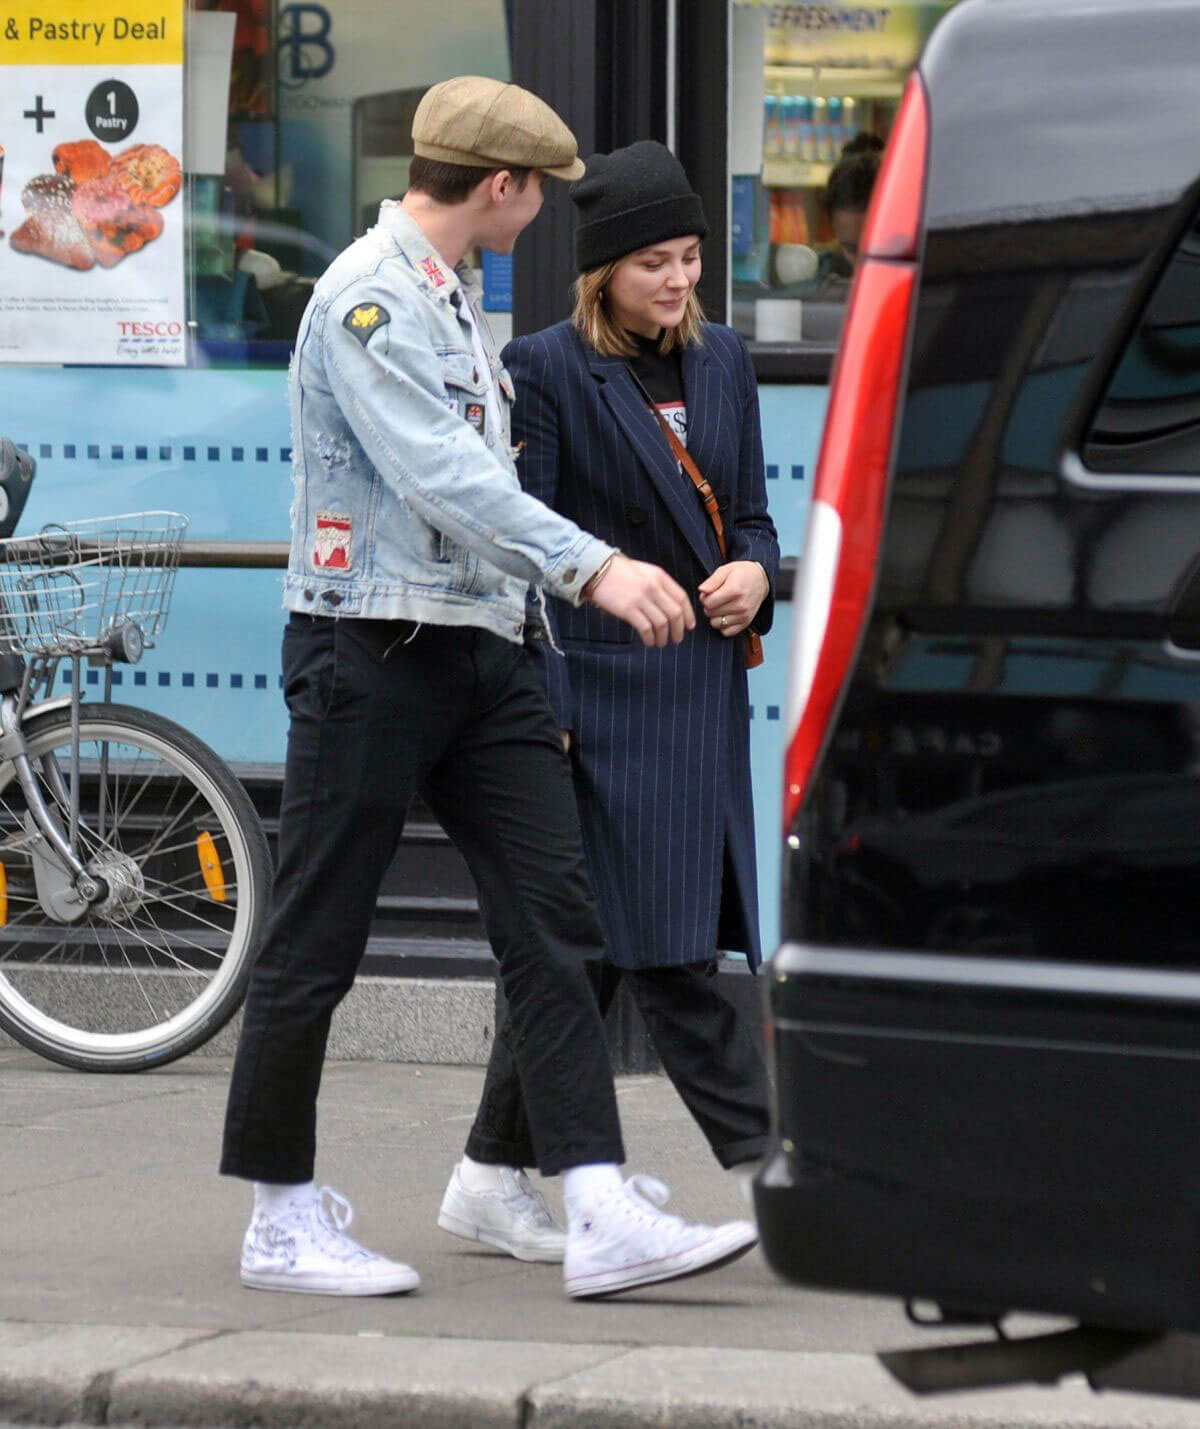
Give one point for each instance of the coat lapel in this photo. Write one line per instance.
(640, 427)
(702, 396)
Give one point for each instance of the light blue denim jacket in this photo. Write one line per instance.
(406, 505)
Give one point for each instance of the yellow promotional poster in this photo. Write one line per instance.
(91, 179)
(875, 34)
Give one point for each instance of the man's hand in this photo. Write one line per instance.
(731, 596)
(566, 739)
(645, 597)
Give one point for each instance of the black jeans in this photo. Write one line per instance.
(705, 1047)
(380, 709)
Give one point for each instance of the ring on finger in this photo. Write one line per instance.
(724, 621)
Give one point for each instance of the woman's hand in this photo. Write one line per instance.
(731, 596)
(566, 739)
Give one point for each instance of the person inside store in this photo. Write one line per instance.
(405, 667)
(616, 408)
(846, 199)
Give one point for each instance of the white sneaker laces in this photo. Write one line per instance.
(332, 1214)
(648, 1195)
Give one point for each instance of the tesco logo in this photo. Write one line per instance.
(171, 329)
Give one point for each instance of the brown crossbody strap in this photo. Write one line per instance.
(753, 641)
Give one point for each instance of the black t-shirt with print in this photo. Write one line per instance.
(662, 378)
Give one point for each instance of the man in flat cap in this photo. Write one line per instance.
(413, 551)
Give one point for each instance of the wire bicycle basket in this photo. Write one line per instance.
(87, 586)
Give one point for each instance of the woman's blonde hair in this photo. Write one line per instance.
(597, 326)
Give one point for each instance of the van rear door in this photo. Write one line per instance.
(985, 1013)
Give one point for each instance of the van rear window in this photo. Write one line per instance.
(1149, 419)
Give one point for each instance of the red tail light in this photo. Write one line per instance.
(893, 226)
(846, 521)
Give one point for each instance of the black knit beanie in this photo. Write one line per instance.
(630, 199)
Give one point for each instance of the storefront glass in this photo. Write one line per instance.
(318, 102)
(292, 120)
(279, 126)
(814, 91)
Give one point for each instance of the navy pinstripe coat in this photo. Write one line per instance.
(660, 738)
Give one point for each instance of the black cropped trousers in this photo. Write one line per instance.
(702, 1040)
(380, 710)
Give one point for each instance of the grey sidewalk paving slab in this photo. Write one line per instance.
(119, 1246)
(112, 1211)
(50, 1373)
(286, 1381)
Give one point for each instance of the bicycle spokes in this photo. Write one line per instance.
(170, 855)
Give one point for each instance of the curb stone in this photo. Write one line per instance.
(691, 1388)
(189, 1379)
(55, 1373)
(283, 1380)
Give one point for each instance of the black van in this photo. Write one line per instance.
(985, 1015)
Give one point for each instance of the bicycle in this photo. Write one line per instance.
(133, 867)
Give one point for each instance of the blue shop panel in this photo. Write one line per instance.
(792, 418)
(159, 439)
(768, 701)
(215, 444)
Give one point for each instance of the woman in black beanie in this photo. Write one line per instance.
(658, 738)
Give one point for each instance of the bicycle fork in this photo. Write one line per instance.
(66, 888)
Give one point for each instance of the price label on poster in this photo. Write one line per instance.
(91, 214)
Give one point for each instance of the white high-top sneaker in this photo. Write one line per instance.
(307, 1250)
(514, 1218)
(625, 1240)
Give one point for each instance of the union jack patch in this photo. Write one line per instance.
(429, 266)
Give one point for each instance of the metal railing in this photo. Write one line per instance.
(234, 555)
(273, 555)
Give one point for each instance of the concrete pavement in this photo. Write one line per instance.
(120, 1304)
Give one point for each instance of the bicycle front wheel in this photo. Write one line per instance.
(161, 963)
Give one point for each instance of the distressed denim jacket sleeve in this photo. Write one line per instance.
(393, 391)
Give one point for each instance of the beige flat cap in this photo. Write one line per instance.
(487, 124)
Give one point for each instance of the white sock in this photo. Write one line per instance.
(583, 1186)
(273, 1198)
(477, 1176)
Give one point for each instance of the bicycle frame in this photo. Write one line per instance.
(15, 707)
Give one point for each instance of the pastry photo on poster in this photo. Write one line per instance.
(91, 221)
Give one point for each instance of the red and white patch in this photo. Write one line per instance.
(429, 267)
(331, 542)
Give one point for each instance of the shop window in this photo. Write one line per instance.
(178, 211)
(815, 88)
(317, 102)
(1149, 419)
